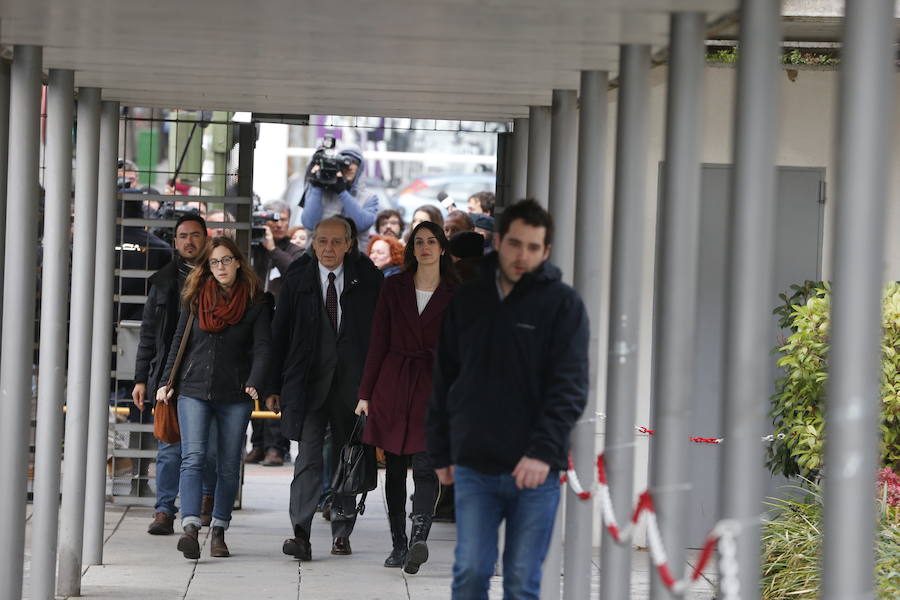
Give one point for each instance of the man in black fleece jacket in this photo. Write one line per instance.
(510, 380)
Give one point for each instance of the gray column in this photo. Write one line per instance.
(18, 312)
(630, 198)
(518, 188)
(588, 268)
(563, 175)
(865, 133)
(678, 250)
(5, 76)
(54, 313)
(82, 313)
(537, 185)
(747, 381)
(98, 434)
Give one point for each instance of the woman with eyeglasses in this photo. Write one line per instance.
(396, 384)
(221, 372)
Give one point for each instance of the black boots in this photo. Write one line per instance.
(398, 535)
(188, 543)
(418, 549)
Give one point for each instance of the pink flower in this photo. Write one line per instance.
(890, 480)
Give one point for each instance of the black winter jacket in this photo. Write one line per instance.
(295, 333)
(511, 376)
(158, 323)
(218, 366)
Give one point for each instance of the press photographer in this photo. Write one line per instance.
(334, 188)
(272, 251)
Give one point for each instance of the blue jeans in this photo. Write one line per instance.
(482, 502)
(194, 418)
(168, 473)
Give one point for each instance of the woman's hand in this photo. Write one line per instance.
(273, 403)
(362, 408)
(164, 394)
(251, 391)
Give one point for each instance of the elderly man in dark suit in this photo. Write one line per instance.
(320, 332)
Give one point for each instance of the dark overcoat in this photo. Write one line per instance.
(295, 334)
(397, 377)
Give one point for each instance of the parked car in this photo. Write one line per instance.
(425, 190)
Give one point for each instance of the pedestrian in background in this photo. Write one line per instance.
(222, 371)
(396, 384)
(386, 253)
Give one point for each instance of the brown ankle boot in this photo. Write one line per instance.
(217, 545)
(206, 508)
(188, 543)
(163, 524)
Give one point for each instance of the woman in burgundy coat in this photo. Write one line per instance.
(396, 384)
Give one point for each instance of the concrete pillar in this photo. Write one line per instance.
(563, 175)
(852, 433)
(678, 251)
(538, 182)
(518, 187)
(5, 77)
(629, 200)
(588, 267)
(16, 362)
(78, 390)
(98, 433)
(54, 314)
(748, 343)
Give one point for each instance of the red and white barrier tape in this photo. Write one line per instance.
(698, 439)
(723, 535)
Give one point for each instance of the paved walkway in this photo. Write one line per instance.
(143, 567)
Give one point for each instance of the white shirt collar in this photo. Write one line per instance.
(323, 273)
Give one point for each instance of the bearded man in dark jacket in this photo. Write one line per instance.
(158, 323)
(320, 337)
(510, 381)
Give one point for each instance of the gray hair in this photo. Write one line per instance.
(335, 221)
(277, 206)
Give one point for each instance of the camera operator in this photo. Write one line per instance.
(345, 196)
(274, 253)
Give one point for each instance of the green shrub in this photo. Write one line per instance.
(792, 549)
(798, 406)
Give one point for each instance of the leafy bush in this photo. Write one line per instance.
(798, 406)
(792, 549)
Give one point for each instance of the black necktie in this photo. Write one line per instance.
(331, 301)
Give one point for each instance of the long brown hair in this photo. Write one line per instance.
(201, 272)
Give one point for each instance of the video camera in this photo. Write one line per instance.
(260, 218)
(330, 163)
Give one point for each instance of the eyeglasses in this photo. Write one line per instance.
(224, 261)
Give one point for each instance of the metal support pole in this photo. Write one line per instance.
(563, 175)
(5, 76)
(865, 132)
(519, 161)
(78, 389)
(54, 313)
(246, 147)
(588, 268)
(676, 290)
(747, 379)
(537, 185)
(98, 432)
(18, 312)
(626, 291)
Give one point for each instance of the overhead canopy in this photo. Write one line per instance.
(449, 59)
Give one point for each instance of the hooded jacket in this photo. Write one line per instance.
(356, 203)
(511, 375)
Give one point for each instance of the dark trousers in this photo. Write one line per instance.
(306, 486)
(424, 480)
(267, 435)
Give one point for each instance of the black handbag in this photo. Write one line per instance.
(357, 470)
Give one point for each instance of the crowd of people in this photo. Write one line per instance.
(453, 343)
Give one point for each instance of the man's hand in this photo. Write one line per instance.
(445, 475)
(164, 394)
(273, 403)
(530, 472)
(139, 394)
(251, 391)
(362, 407)
(269, 240)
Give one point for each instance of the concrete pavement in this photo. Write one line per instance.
(139, 566)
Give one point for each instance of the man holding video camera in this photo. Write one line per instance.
(334, 188)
